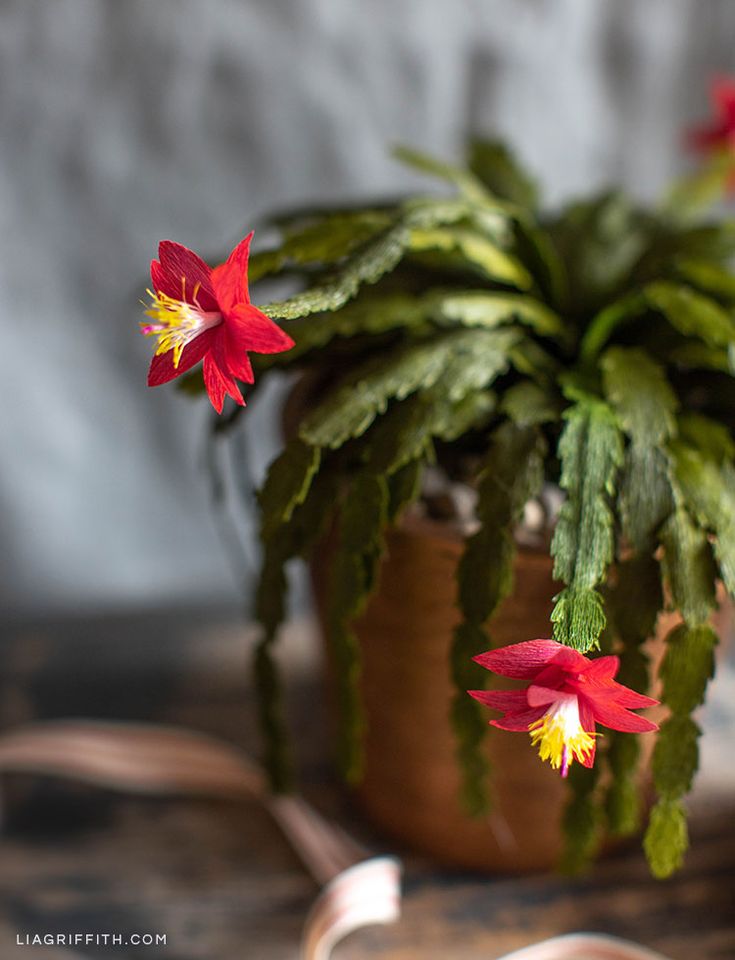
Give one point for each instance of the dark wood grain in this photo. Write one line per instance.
(219, 880)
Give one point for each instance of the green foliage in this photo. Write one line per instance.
(712, 438)
(667, 838)
(287, 484)
(601, 242)
(594, 349)
(512, 474)
(269, 610)
(645, 403)
(708, 277)
(688, 566)
(465, 360)
(474, 250)
(635, 600)
(495, 166)
(709, 491)
(692, 313)
(645, 497)
(325, 241)
(687, 667)
(363, 517)
(606, 321)
(464, 180)
(378, 257)
(622, 800)
(528, 403)
(404, 487)
(467, 718)
(582, 821)
(418, 315)
(295, 537)
(590, 450)
(638, 391)
(699, 190)
(676, 757)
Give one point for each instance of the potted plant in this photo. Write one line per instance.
(464, 355)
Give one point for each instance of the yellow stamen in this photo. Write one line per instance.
(176, 322)
(560, 737)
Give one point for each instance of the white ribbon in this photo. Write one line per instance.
(584, 946)
(357, 890)
(156, 760)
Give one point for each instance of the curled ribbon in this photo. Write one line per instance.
(356, 890)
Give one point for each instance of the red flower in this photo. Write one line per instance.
(567, 695)
(205, 314)
(720, 133)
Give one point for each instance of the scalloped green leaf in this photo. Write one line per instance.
(676, 756)
(528, 403)
(494, 164)
(708, 277)
(374, 315)
(287, 484)
(709, 490)
(326, 241)
(638, 391)
(463, 360)
(590, 450)
(475, 250)
(688, 666)
(688, 567)
(378, 257)
(692, 313)
(667, 838)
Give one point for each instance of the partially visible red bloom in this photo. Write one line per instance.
(566, 696)
(200, 313)
(719, 134)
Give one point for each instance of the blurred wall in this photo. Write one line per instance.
(124, 121)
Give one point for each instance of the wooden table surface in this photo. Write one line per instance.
(218, 879)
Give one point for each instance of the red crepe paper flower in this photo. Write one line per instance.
(200, 313)
(719, 134)
(567, 695)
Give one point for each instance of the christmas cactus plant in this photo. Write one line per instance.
(510, 347)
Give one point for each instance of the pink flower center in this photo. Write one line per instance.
(176, 322)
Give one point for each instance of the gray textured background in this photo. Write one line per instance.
(124, 121)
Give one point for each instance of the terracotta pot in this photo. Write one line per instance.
(411, 784)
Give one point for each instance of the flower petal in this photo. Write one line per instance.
(539, 696)
(230, 279)
(722, 92)
(162, 367)
(602, 668)
(218, 384)
(518, 721)
(570, 660)
(587, 720)
(178, 263)
(522, 661)
(501, 699)
(617, 718)
(552, 677)
(249, 329)
(230, 366)
(625, 697)
(238, 363)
